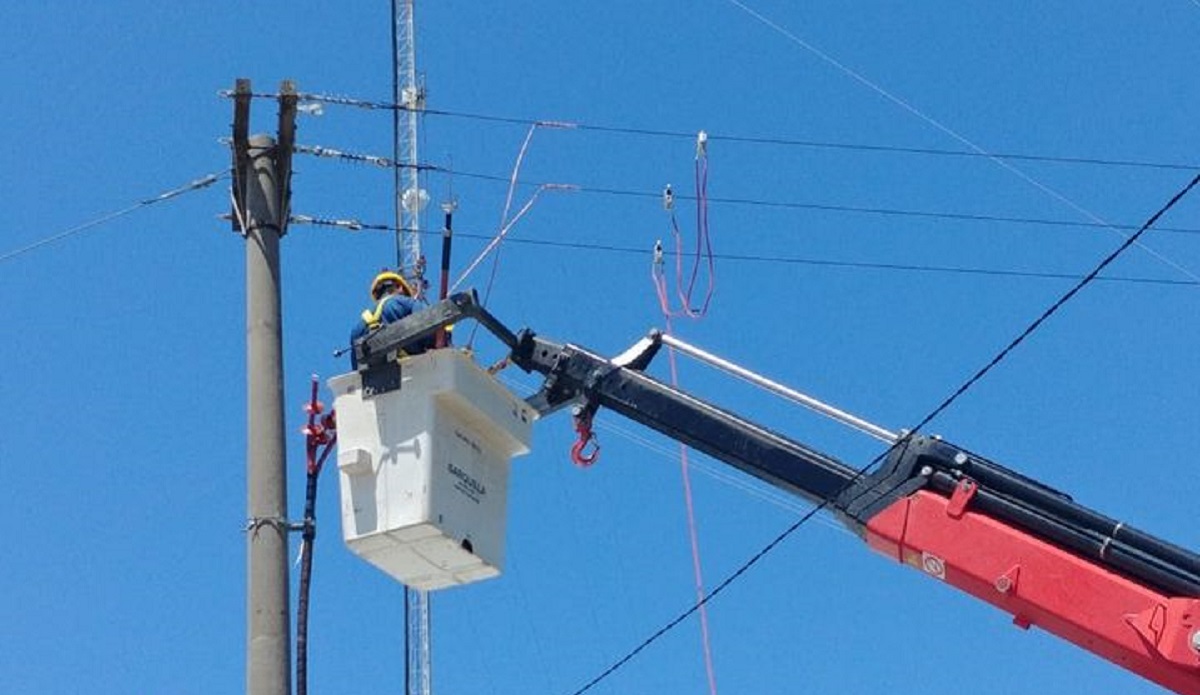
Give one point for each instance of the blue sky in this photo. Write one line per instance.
(123, 369)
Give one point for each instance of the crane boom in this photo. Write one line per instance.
(987, 530)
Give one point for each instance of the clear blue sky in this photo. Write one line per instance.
(122, 368)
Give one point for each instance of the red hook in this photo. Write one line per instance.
(583, 425)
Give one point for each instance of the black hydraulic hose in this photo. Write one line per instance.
(756, 450)
(1004, 482)
(323, 434)
(1130, 562)
(444, 279)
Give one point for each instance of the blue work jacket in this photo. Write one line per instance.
(392, 307)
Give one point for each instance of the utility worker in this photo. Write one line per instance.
(394, 300)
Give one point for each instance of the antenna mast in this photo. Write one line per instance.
(409, 97)
(410, 198)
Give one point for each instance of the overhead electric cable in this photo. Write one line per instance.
(835, 145)
(356, 225)
(750, 139)
(202, 182)
(902, 442)
(1066, 297)
(702, 602)
(384, 162)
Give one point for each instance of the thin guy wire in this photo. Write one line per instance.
(202, 182)
(355, 225)
(903, 442)
(938, 125)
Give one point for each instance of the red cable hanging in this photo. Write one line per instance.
(703, 255)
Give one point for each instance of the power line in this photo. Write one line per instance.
(974, 150)
(1087, 279)
(384, 162)
(745, 139)
(835, 145)
(202, 182)
(356, 225)
(1037, 323)
(376, 160)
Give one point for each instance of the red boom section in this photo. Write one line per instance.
(1039, 584)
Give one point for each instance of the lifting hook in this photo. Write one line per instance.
(583, 426)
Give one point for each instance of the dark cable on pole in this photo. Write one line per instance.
(444, 280)
(318, 434)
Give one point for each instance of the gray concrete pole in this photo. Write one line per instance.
(268, 619)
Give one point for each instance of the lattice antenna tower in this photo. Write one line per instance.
(409, 95)
(410, 199)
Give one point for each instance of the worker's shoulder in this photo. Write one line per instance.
(399, 304)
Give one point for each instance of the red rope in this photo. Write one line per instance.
(702, 256)
(687, 309)
(694, 539)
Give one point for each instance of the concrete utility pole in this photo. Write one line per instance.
(268, 627)
(262, 175)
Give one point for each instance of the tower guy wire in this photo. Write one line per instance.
(952, 133)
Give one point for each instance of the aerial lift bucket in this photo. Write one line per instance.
(423, 469)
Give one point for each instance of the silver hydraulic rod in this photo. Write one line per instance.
(781, 390)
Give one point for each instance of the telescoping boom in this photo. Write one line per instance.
(998, 535)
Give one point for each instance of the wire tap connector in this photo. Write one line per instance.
(701, 145)
(318, 434)
(668, 198)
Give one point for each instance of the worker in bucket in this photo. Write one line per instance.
(394, 299)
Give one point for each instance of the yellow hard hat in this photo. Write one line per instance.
(389, 277)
